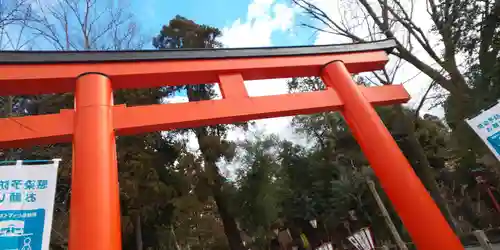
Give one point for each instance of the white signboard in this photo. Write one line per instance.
(362, 239)
(325, 246)
(27, 195)
(487, 126)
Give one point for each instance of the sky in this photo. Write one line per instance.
(245, 23)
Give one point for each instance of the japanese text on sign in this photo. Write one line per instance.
(490, 123)
(17, 191)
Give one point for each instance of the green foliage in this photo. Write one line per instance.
(280, 181)
(184, 33)
(258, 195)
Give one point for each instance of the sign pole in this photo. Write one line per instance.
(392, 228)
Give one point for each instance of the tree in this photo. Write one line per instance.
(12, 14)
(194, 222)
(330, 132)
(469, 27)
(84, 25)
(260, 189)
(394, 19)
(284, 183)
(401, 124)
(335, 182)
(184, 33)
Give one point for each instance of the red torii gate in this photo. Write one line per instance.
(95, 121)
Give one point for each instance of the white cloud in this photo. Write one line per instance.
(176, 99)
(257, 8)
(263, 18)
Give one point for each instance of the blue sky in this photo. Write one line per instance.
(244, 23)
(152, 14)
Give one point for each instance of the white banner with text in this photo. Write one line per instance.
(27, 193)
(487, 126)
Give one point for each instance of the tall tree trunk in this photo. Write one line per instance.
(215, 181)
(9, 154)
(214, 178)
(421, 164)
(230, 228)
(138, 231)
(8, 108)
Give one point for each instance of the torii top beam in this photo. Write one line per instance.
(38, 72)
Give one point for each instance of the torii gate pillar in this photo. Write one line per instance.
(415, 206)
(95, 203)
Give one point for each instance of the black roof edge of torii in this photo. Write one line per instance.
(53, 57)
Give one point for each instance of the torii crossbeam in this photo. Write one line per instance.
(95, 121)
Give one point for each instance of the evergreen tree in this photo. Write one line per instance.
(184, 33)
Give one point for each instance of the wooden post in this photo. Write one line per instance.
(177, 247)
(386, 216)
(138, 231)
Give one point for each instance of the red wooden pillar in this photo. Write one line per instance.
(420, 215)
(95, 208)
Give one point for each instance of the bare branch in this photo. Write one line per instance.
(413, 30)
(9, 15)
(422, 101)
(385, 24)
(85, 25)
(318, 14)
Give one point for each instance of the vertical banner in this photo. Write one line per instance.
(362, 239)
(487, 126)
(27, 194)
